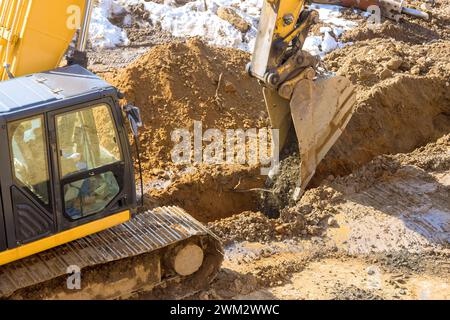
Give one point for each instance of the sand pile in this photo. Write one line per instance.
(403, 101)
(368, 62)
(177, 83)
(174, 85)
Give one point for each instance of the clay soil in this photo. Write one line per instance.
(174, 85)
(375, 223)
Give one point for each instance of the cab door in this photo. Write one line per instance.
(29, 187)
(89, 164)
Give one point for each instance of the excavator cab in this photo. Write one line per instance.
(67, 169)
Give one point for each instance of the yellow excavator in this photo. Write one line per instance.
(67, 182)
(68, 222)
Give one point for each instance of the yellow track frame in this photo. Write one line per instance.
(35, 34)
(63, 237)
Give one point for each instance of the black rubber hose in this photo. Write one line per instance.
(138, 154)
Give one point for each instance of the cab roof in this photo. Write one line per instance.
(35, 90)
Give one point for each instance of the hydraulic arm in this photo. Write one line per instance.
(317, 104)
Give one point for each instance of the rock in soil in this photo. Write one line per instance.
(230, 15)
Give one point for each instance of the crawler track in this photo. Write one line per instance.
(121, 262)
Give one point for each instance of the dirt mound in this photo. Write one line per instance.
(398, 116)
(412, 31)
(408, 29)
(175, 84)
(368, 62)
(403, 101)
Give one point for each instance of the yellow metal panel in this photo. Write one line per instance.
(286, 7)
(35, 34)
(63, 237)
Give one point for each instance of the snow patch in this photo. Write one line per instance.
(331, 15)
(195, 20)
(102, 33)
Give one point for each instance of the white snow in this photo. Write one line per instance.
(328, 43)
(331, 15)
(194, 20)
(102, 33)
(312, 44)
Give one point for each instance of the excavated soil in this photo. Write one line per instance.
(401, 72)
(375, 223)
(175, 84)
(415, 183)
(403, 102)
(316, 210)
(385, 237)
(308, 218)
(211, 193)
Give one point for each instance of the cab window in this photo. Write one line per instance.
(29, 156)
(87, 140)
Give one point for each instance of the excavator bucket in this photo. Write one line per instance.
(319, 110)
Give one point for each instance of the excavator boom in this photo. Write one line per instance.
(35, 34)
